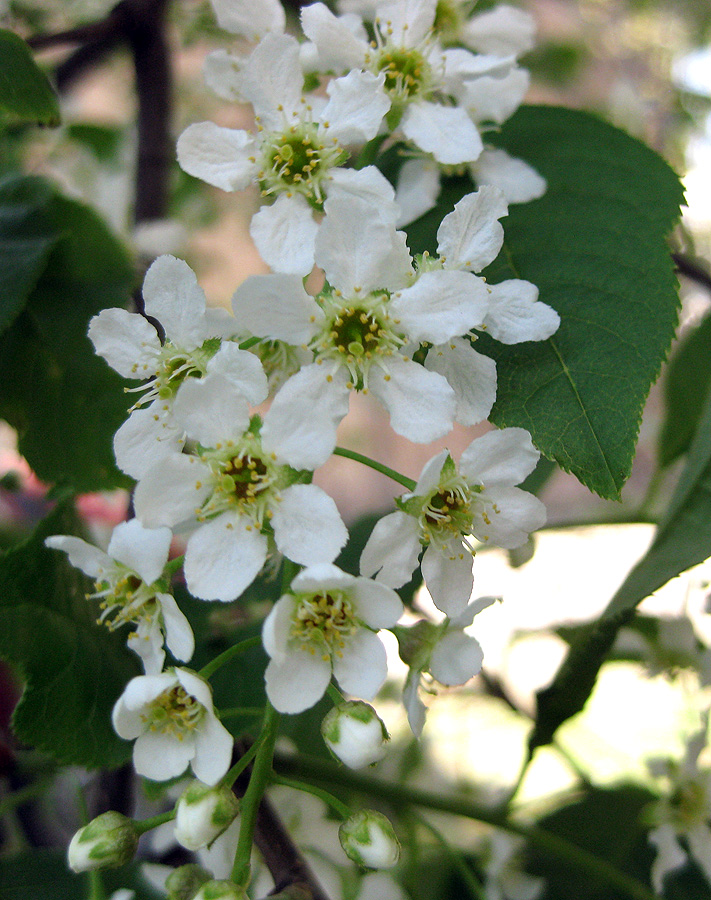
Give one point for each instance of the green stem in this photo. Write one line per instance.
(227, 655)
(250, 342)
(148, 824)
(399, 795)
(336, 805)
(455, 857)
(230, 777)
(379, 467)
(97, 891)
(261, 771)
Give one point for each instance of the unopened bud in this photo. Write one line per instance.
(367, 837)
(185, 881)
(220, 890)
(110, 840)
(203, 813)
(355, 734)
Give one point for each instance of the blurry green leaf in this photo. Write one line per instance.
(103, 140)
(595, 246)
(682, 540)
(686, 387)
(556, 61)
(74, 669)
(25, 92)
(64, 401)
(26, 237)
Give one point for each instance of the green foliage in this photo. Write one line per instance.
(25, 92)
(74, 669)
(686, 387)
(682, 540)
(64, 401)
(595, 247)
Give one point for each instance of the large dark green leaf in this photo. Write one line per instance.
(64, 401)
(74, 669)
(25, 92)
(594, 245)
(682, 540)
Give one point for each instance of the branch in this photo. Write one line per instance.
(692, 270)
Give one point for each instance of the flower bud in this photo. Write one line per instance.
(185, 881)
(367, 837)
(355, 734)
(220, 890)
(110, 840)
(203, 813)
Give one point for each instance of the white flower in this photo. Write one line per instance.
(355, 734)
(326, 626)
(367, 838)
(129, 584)
(299, 146)
(447, 506)
(171, 718)
(420, 77)
(242, 498)
(203, 813)
(685, 812)
(133, 347)
(360, 329)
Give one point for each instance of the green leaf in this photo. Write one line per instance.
(686, 387)
(25, 92)
(26, 237)
(682, 540)
(594, 245)
(74, 669)
(64, 401)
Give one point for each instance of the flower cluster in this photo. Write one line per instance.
(236, 412)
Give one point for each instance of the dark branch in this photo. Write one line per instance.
(692, 270)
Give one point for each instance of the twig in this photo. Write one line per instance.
(692, 269)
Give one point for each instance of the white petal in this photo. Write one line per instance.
(418, 187)
(127, 341)
(322, 577)
(196, 686)
(367, 184)
(358, 249)
(223, 557)
(515, 314)
(448, 576)
(490, 99)
(179, 638)
(501, 456)
(223, 73)
(362, 668)
(145, 438)
(421, 403)
(501, 30)
(173, 296)
(670, 855)
(277, 307)
(249, 18)
(127, 723)
(415, 708)
(441, 305)
(145, 550)
(409, 21)
(511, 515)
(392, 550)
(471, 236)
(285, 234)
(217, 155)
(472, 376)
(307, 525)
(466, 618)
(210, 410)
(160, 757)
(297, 683)
(456, 658)
(338, 47)
(429, 476)
(89, 559)
(446, 132)
(273, 79)
(376, 604)
(276, 629)
(300, 426)
(243, 369)
(213, 751)
(171, 490)
(699, 839)
(518, 181)
(356, 107)
(147, 642)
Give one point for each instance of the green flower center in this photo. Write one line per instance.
(321, 622)
(173, 367)
(174, 712)
(125, 598)
(407, 72)
(688, 804)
